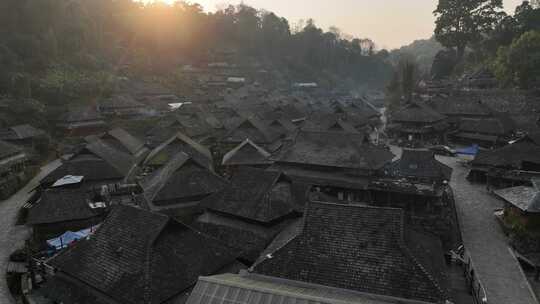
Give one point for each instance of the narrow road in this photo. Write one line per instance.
(11, 236)
(495, 265)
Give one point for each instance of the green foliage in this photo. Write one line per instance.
(520, 62)
(461, 22)
(404, 82)
(443, 64)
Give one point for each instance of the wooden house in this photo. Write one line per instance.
(144, 257)
(522, 205)
(82, 122)
(177, 187)
(250, 212)
(60, 210)
(512, 165)
(418, 122)
(394, 260)
(24, 135)
(98, 163)
(246, 154)
(338, 163)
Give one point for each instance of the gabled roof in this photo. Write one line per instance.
(354, 247)
(179, 180)
(21, 132)
(459, 106)
(254, 194)
(510, 156)
(56, 206)
(122, 162)
(525, 198)
(138, 256)
(420, 164)
(492, 126)
(130, 142)
(90, 166)
(335, 149)
(328, 122)
(250, 128)
(247, 153)
(179, 143)
(416, 112)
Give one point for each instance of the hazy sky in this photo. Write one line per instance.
(391, 23)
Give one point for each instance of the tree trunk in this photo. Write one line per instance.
(460, 52)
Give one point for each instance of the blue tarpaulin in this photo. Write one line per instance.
(472, 150)
(69, 237)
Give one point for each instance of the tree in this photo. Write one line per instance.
(520, 62)
(460, 22)
(443, 64)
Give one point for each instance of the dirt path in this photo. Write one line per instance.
(11, 236)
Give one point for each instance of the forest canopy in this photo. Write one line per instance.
(60, 46)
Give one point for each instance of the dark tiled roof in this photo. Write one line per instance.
(190, 182)
(354, 247)
(417, 113)
(130, 142)
(254, 194)
(122, 162)
(328, 122)
(511, 156)
(459, 106)
(335, 149)
(420, 164)
(179, 143)
(253, 129)
(492, 126)
(248, 238)
(247, 153)
(57, 206)
(21, 132)
(141, 257)
(90, 166)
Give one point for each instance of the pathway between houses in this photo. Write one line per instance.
(496, 267)
(11, 236)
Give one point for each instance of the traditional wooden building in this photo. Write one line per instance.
(393, 261)
(122, 106)
(416, 121)
(98, 163)
(179, 142)
(522, 205)
(177, 187)
(81, 122)
(485, 132)
(512, 165)
(250, 212)
(246, 154)
(122, 141)
(136, 256)
(24, 135)
(60, 210)
(338, 163)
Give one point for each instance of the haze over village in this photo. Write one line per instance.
(360, 152)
